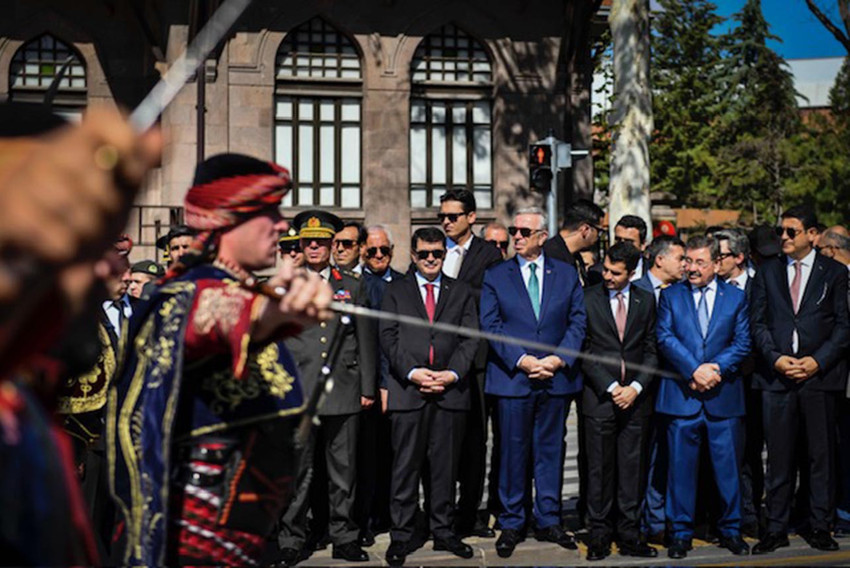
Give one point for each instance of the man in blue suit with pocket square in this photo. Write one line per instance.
(704, 335)
(535, 297)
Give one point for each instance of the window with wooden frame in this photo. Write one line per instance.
(451, 119)
(35, 66)
(318, 116)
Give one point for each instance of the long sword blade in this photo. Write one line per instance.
(361, 311)
(181, 71)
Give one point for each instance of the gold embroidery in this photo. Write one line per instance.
(221, 306)
(87, 392)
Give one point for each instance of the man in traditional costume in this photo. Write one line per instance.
(201, 420)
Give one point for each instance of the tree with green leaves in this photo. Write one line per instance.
(686, 97)
(760, 117)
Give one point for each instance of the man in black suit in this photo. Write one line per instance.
(333, 445)
(617, 404)
(374, 458)
(801, 330)
(579, 232)
(428, 392)
(466, 261)
(733, 268)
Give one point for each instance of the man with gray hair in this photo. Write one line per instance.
(536, 296)
(835, 244)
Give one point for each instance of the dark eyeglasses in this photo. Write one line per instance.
(371, 252)
(723, 255)
(424, 254)
(452, 217)
(346, 243)
(525, 232)
(289, 248)
(790, 231)
(499, 244)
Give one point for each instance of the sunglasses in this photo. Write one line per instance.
(499, 244)
(723, 255)
(289, 248)
(452, 217)
(424, 254)
(790, 231)
(371, 252)
(322, 242)
(525, 232)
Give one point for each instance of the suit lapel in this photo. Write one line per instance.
(603, 304)
(814, 286)
(445, 288)
(688, 293)
(786, 289)
(548, 283)
(719, 304)
(635, 307)
(416, 297)
(519, 284)
(468, 259)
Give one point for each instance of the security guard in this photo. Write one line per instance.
(333, 447)
(141, 273)
(175, 242)
(289, 244)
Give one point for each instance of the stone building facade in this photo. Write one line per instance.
(376, 106)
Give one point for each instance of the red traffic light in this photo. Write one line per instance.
(541, 155)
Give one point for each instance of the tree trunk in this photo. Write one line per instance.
(632, 112)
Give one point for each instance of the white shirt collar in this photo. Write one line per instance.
(654, 280)
(421, 280)
(523, 262)
(465, 246)
(741, 280)
(807, 261)
(613, 293)
(710, 287)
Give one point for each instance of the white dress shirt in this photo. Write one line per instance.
(740, 280)
(638, 270)
(656, 286)
(421, 282)
(806, 265)
(454, 258)
(710, 295)
(111, 312)
(612, 299)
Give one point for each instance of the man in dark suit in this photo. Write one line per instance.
(579, 232)
(801, 330)
(374, 458)
(617, 404)
(466, 262)
(665, 260)
(703, 335)
(536, 297)
(333, 447)
(733, 268)
(428, 393)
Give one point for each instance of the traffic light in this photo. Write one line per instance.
(540, 166)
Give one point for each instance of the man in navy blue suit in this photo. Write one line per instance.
(540, 298)
(704, 335)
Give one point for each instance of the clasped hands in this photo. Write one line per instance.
(624, 396)
(544, 368)
(797, 369)
(706, 377)
(429, 381)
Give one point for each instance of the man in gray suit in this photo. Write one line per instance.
(333, 445)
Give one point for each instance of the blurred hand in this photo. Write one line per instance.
(308, 295)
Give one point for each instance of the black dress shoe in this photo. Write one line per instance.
(735, 544)
(350, 551)
(771, 542)
(821, 540)
(507, 542)
(366, 539)
(636, 548)
(657, 538)
(679, 548)
(557, 535)
(396, 553)
(598, 549)
(289, 556)
(454, 545)
(481, 530)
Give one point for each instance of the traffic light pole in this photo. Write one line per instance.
(560, 157)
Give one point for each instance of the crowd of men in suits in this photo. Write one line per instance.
(679, 356)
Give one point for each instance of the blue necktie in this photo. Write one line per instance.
(702, 311)
(534, 290)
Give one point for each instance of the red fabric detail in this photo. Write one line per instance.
(79, 515)
(225, 201)
(225, 336)
(335, 274)
(430, 309)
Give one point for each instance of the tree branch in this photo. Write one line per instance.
(831, 27)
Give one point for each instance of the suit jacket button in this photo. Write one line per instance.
(323, 324)
(323, 339)
(324, 355)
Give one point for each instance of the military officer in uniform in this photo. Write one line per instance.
(333, 447)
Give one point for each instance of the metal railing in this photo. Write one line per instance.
(149, 222)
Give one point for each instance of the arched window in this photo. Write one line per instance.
(36, 64)
(450, 118)
(317, 116)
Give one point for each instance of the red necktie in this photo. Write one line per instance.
(621, 329)
(430, 308)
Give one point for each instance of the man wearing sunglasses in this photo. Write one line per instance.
(579, 232)
(429, 393)
(289, 245)
(466, 261)
(801, 332)
(346, 246)
(333, 447)
(497, 235)
(532, 296)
